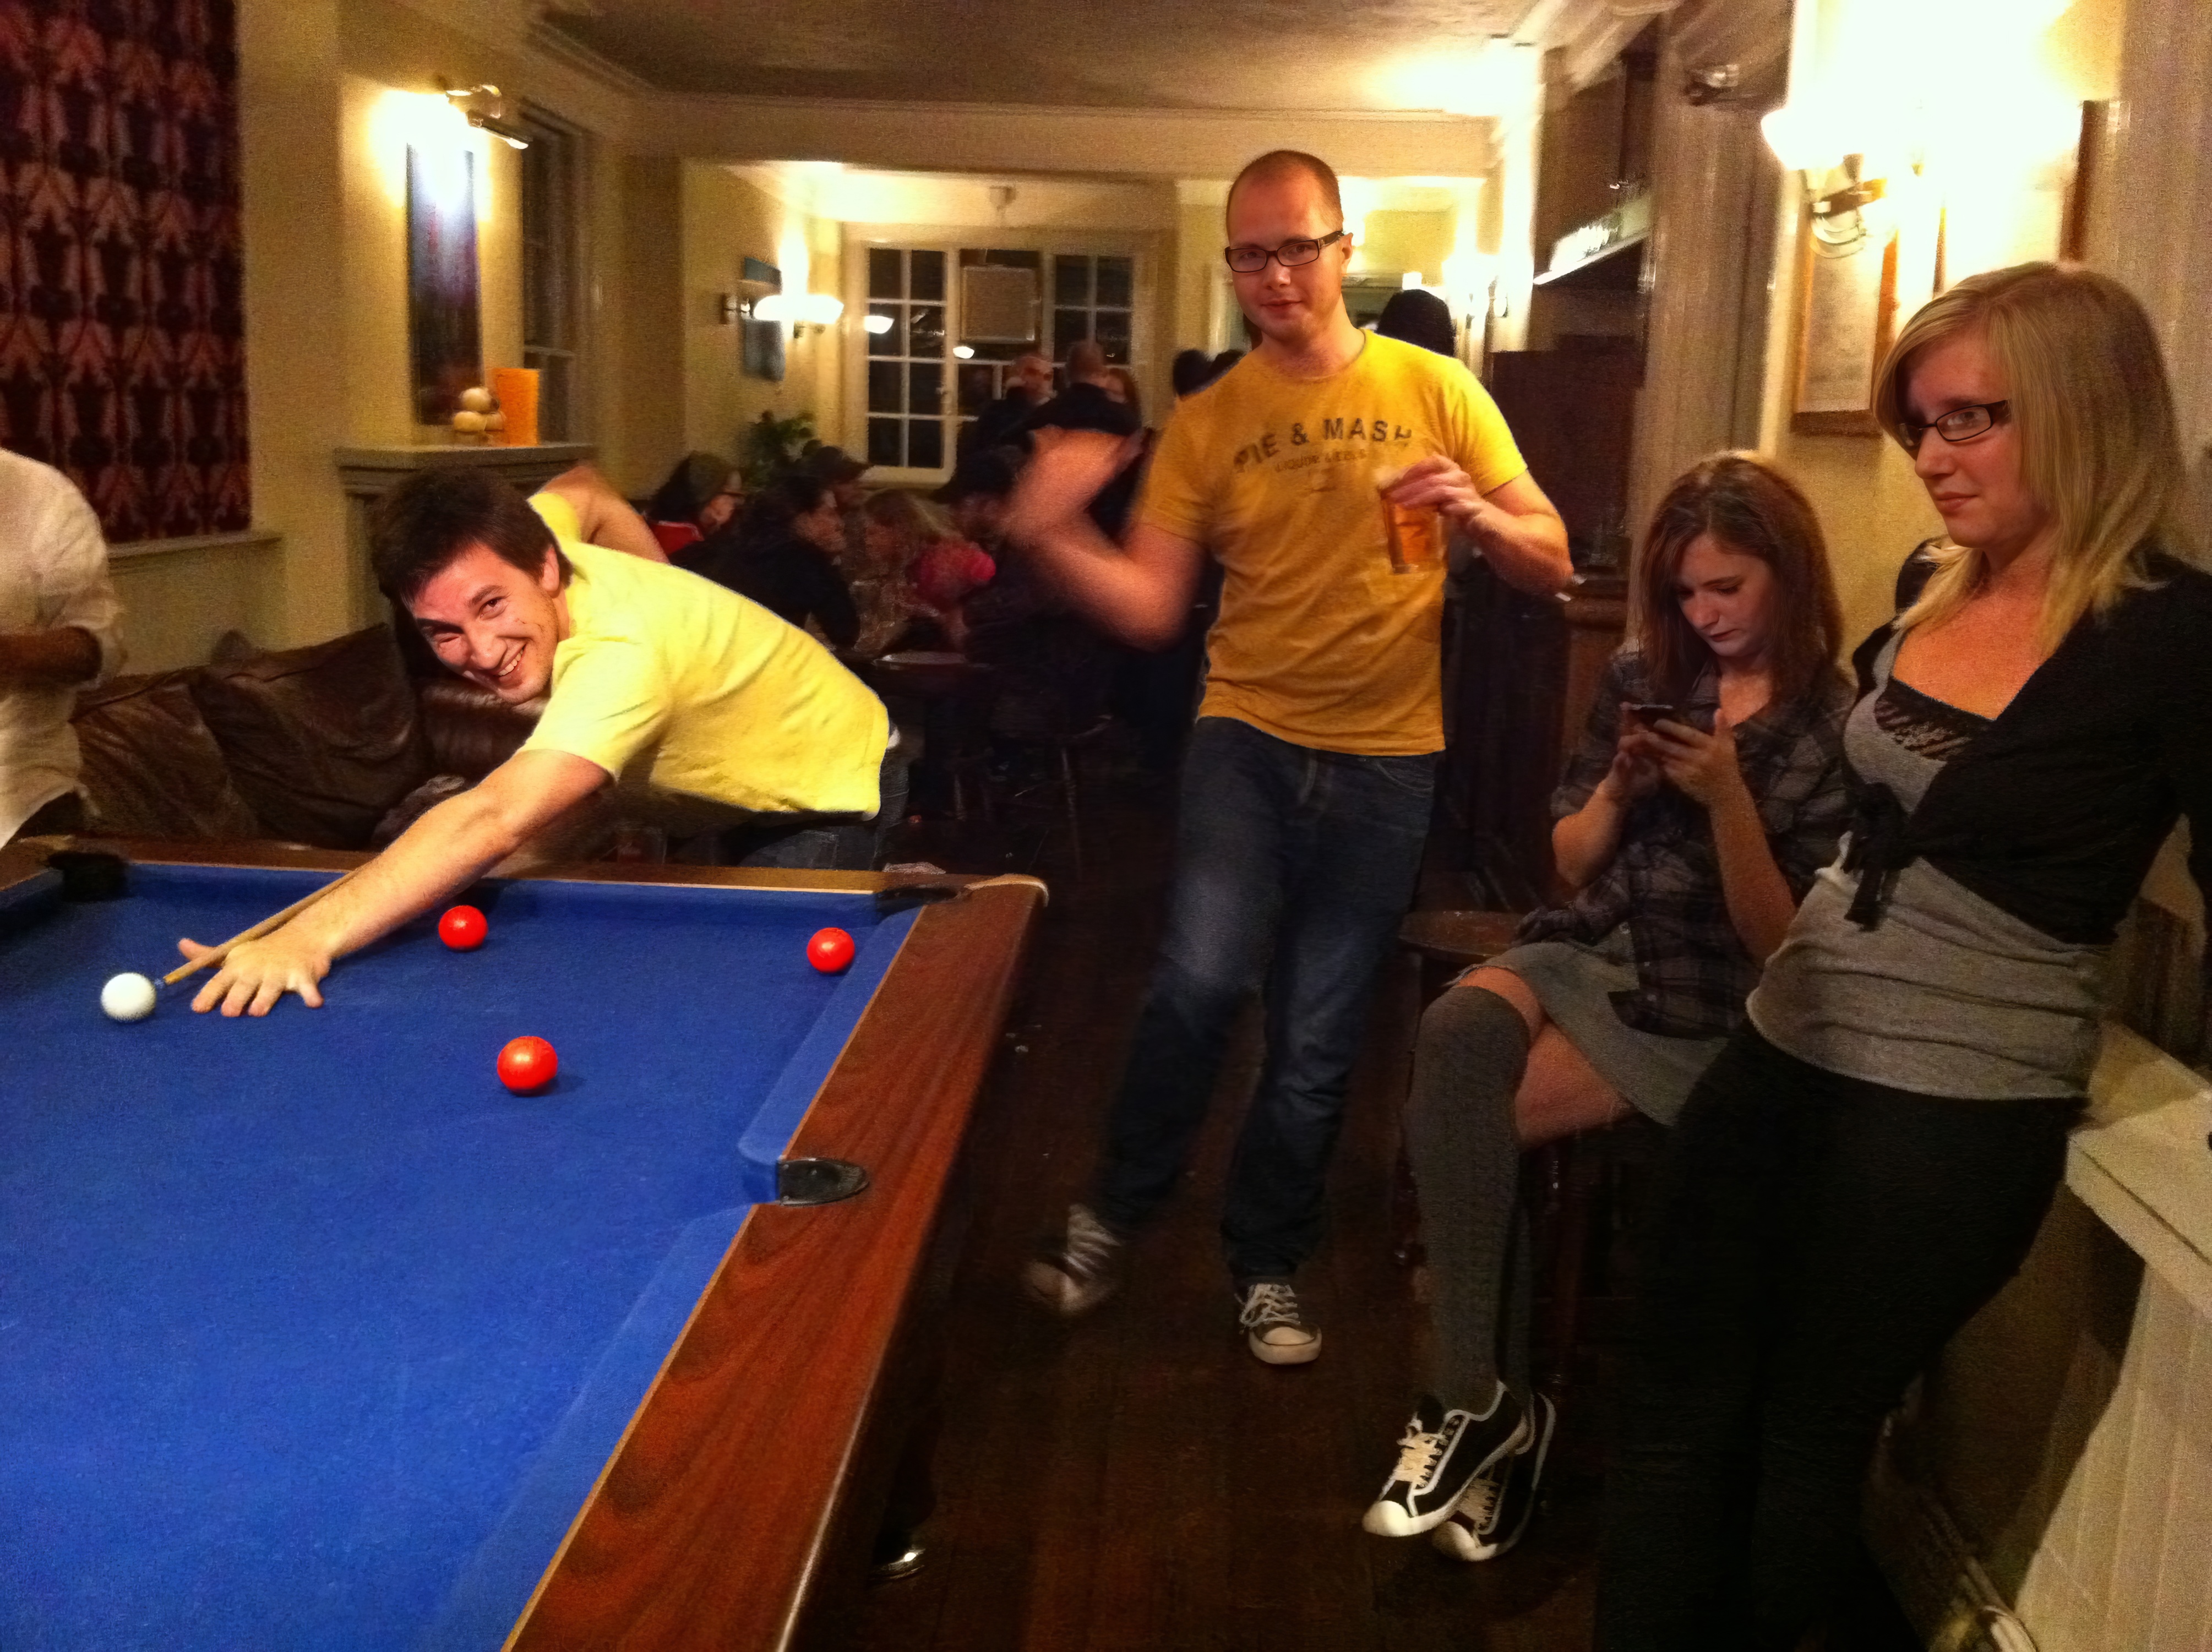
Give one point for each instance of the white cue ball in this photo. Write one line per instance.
(127, 997)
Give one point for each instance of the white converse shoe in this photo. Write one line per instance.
(1276, 1328)
(1081, 1270)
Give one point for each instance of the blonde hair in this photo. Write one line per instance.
(2099, 446)
(906, 513)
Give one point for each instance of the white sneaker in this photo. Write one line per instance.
(1442, 1454)
(1085, 1267)
(1276, 1329)
(1494, 1511)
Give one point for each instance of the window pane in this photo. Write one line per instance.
(929, 276)
(979, 386)
(1068, 327)
(925, 444)
(925, 388)
(884, 387)
(1071, 280)
(925, 331)
(1117, 280)
(1112, 334)
(883, 442)
(883, 273)
(894, 341)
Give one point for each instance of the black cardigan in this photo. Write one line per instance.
(2055, 811)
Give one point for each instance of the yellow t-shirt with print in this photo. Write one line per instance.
(672, 684)
(1319, 642)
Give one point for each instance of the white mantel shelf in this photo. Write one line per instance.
(366, 472)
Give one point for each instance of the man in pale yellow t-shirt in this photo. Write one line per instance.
(659, 684)
(1306, 785)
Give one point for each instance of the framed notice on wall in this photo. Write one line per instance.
(1849, 306)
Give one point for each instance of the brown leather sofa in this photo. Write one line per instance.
(334, 745)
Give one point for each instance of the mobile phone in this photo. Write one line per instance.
(1654, 711)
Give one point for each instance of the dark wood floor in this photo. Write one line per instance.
(1137, 1479)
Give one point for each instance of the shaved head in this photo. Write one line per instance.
(1279, 164)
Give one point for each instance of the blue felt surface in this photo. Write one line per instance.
(311, 1335)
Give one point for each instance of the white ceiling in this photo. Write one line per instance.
(1261, 55)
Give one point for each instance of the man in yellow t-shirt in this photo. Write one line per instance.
(684, 696)
(1306, 785)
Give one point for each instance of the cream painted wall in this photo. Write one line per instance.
(177, 603)
(294, 361)
(648, 293)
(2003, 208)
(726, 220)
(1399, 241)
(1198, 272)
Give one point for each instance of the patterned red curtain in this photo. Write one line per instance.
(122, 338)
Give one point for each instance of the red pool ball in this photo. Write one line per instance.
(830, 951)
(527, 1064)
(462, 928)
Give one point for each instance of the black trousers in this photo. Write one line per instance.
(1813, 1243)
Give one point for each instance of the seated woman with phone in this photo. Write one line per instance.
(1707, 791)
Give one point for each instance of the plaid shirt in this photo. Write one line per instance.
(1664, 880)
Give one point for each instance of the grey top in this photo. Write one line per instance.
(1949, 994)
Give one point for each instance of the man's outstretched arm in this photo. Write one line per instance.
(448, 849)
(604, 517)
(1141, 592)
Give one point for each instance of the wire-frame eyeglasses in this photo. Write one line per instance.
(1960, 424)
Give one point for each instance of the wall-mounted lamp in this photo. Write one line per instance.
(800, 309)
(877, 324)
(964, 352)
(1818, 136)
(485, 108)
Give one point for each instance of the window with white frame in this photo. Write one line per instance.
(926, 379)
(907, 358)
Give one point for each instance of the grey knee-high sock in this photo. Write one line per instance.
(1466, 1159)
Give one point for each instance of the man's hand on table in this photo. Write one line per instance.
(259, 973)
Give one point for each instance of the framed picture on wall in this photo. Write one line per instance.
(442, 280)
(1848, 312)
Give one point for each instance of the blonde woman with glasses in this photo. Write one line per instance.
(1870, 1157)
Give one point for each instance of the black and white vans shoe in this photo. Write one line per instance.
(1494, 1510)
(1440, 1454)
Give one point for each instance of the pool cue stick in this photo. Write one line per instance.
(275, 920)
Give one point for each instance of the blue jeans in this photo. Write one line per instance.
(814, 843)
(1293, 868)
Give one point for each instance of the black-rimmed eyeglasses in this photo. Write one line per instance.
(1251, 260)
(1960, 424)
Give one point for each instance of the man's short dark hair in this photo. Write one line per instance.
(1288, 163)
(433, 516)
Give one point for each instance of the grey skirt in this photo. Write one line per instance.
(1654, 1073)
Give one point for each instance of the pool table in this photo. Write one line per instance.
(317, 1336)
